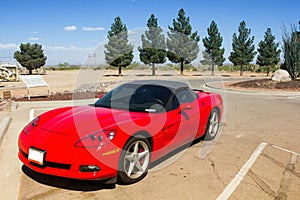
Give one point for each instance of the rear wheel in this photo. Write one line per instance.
(212, 126)
(134, 160)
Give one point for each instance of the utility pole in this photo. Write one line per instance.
(94, 56)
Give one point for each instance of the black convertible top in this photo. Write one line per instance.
(173, 85)
(145, 95)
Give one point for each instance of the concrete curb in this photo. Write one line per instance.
(3, 127)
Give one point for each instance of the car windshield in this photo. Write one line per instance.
(137, 98)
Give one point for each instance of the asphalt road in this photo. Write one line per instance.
(194, 173)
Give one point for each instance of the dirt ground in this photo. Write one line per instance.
(69, 81)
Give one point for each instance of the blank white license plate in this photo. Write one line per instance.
(36, 155)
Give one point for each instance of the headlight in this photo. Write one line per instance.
(96, 139)
(31, 125)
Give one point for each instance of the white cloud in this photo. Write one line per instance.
(70, 28)
(70, 54)
(132, 32)
(93, 28)
(8, 46)
(33, 38)
(35, 32)
(71, 48)
(55, 48)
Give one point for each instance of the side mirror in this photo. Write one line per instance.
(100, 96)
(183, 107)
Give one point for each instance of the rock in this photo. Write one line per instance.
(281, 76)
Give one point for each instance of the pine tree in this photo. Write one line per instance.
(153, 48)
(119, 53)
(268, 52)
(213, 44)
(182, 44)
(206, 59)
(243, 48)
(31, 56)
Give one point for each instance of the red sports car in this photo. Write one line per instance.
(122, 133)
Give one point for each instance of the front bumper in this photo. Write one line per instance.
(65, 160)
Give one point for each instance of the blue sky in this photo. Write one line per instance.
(70, 29)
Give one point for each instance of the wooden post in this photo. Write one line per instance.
(28, 92)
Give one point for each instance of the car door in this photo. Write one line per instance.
(171, 129)
(184, 118)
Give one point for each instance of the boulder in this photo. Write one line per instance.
(281, 76)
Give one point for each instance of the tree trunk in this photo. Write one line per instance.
(212, 68)
(268, 71)
(241, 70)
(153, 69)
(181, 67)
(30, 71)
(120, 70)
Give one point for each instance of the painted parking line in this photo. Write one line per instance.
(32, 112)
(241, 174)
(286, 150)
(230, 188)
(294, 97)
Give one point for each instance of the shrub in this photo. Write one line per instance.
(291, 50)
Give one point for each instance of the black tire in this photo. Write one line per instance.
(212, 126)
(134, 160)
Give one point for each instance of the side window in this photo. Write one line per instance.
(184, 95)
(175, 103)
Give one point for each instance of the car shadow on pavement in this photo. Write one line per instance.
(66, 183)
(82, 185)
(176, 151)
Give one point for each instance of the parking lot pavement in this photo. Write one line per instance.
(250, 120)
(262, 180)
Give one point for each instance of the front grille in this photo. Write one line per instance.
(58, 165)
(48, 164)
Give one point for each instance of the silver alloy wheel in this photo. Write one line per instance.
(136, 159)
(213, 124)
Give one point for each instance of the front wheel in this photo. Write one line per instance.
(134, 160)
(212, 126)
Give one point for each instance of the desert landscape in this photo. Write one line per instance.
(89, 83)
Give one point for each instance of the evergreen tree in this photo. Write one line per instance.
(119, 53)
(206, 59)
(182, 44)
(268, 52)
(213, 44)
(243, 48)
(31, 56)
(153, 48)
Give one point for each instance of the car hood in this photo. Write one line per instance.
(82, 120)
